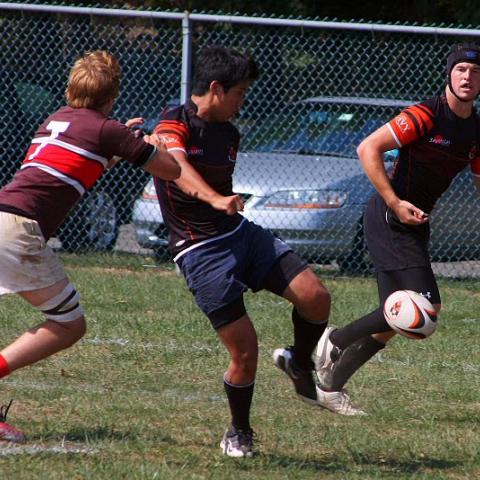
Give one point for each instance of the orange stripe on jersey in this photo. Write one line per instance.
(71, 164)
(475, 166)
(174, 134)
(411, 124)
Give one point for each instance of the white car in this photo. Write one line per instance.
(300, 178)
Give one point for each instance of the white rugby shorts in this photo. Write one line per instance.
(26, 261)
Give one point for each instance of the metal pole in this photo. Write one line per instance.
(279, 22)
(186, 58)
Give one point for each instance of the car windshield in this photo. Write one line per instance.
(319, 128)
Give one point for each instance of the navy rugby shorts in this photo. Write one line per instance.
(220, 271)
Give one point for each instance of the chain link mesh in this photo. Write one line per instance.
(298, 174)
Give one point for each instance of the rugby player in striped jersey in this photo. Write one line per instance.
(69, 152)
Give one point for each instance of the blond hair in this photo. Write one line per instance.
(94, 80)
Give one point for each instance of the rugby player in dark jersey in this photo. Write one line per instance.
(219, 252)
(68, 154)
(437, 139)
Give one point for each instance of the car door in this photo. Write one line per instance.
(455, 222)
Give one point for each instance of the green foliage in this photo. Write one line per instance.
(141, 396)
(409, 11)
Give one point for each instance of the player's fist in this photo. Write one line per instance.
(230, 204)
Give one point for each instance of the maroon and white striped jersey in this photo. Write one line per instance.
(68, 154)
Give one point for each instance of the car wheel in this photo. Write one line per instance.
(358, 260)
(93, 225)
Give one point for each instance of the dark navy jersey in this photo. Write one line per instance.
(435, 145)
(211, 148)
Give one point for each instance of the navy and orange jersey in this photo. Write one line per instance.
(435, 145)
(211, 149)
(68, 154)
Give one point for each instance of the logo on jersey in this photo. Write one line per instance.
(195, 151)
(402, 123)
(473, 152)
(232, 155)
(165, 139)
(439, 140)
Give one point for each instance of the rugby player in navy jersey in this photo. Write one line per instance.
(69, 152)
(219, 252)
(437, 139)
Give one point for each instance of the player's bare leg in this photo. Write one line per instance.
(240, 339)
(46, 338)
(40, 342)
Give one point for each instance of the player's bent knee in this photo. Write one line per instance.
(319, 306)
(72, 331)
(64, 307)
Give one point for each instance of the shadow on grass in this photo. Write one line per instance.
(346, 465)
(413, 465)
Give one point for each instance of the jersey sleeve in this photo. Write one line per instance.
(174, 134)
(117, 139)
(411, 124)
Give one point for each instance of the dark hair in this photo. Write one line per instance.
(225, 65)
(463, 52)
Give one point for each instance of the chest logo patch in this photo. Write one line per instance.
(439, 140)
(195, 151)
(473, 152)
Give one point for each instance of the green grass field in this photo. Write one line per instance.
(141, 397)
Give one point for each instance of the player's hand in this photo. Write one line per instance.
(155, 140)
(230, 205)
(134, 122)
(409, 214)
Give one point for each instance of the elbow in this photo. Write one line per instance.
(164, 166)
(176, 170)
(361, 150)
(169, 172)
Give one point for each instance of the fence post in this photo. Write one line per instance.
(186, 58)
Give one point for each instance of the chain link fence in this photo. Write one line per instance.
(324, 87)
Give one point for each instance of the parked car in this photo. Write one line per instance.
(303, 181)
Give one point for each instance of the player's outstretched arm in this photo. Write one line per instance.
(132, 122)
(370, 153)
(163, 165)
(192, 183)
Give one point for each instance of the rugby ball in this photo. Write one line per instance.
(410, 314)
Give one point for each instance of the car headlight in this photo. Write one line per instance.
(305, 199)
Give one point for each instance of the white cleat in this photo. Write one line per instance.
(338, 402)
(322, 355)
(237, 443)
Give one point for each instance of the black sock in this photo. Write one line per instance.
(305, 337)
(351, 359)
(240, 400)
(372, 323)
